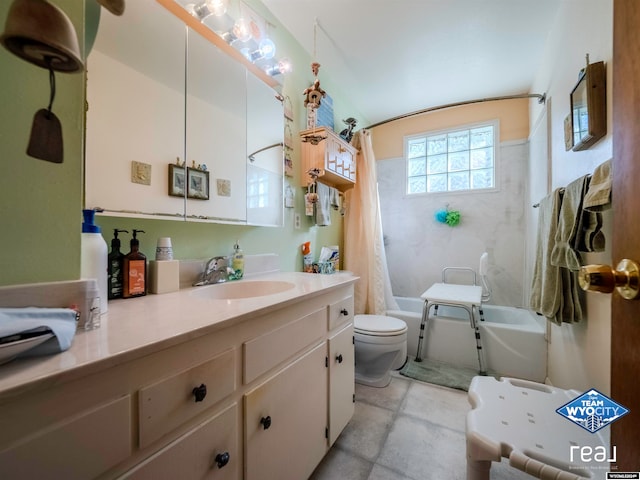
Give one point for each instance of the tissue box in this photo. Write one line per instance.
(164, 276)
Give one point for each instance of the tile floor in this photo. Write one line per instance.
(409, 430)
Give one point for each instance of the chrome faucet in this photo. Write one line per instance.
(215, 271)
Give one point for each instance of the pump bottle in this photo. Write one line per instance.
(93, 258)
(114, 266)
(134, 270)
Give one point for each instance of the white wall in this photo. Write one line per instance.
(579, 354)
(418, 247)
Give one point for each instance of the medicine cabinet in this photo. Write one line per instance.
(589, 107)
(159, 93)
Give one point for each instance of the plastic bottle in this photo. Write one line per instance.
(134, 270)
(237, 262)
(114, 266)
(93, 257)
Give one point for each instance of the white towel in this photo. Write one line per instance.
(335, 198)
(598, 197)
(61, 321)
(323, 205)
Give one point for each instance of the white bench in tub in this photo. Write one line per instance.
(517, 419)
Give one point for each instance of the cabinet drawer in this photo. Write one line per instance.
(340, 312)
(263, 353)
(199, 453)
(172, 401)
(81, 447)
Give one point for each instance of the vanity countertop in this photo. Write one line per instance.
(139, 326)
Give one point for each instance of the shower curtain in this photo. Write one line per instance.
(363, 244)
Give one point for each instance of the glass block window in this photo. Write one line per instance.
(455, 160)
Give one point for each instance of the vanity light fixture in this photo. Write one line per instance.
(282, 67)
(204, 9)
(266, 51)
(242, 30)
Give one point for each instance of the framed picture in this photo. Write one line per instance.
(197, 184)
(177, 185)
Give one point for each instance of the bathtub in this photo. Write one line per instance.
(513, 339)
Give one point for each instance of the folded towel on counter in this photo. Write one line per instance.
(598, 197)
(323, 205)
(29, 320)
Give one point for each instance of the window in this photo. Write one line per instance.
(454, 160)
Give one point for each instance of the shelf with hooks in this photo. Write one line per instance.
(330, 159)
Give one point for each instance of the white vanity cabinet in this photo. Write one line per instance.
(261, 397)
(286, 420)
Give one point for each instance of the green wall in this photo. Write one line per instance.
(41, 202)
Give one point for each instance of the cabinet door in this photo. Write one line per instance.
(265, 154)
(80, 447)
(286, 421)
(341, 381)
(209, 451)
(216, 131)
(135, 97)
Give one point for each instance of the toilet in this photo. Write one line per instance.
(380, 346)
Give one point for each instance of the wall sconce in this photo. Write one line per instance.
(42, 34)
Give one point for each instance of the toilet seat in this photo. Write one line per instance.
(378, 325)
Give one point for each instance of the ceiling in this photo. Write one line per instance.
(393, 57)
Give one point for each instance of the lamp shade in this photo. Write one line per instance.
(41, 33)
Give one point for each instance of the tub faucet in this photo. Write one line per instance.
(215, 271)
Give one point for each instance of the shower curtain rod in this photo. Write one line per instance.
(541, 99)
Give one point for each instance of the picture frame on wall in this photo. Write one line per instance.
(176, 181)
(197, 184)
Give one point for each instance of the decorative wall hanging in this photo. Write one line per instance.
(450, 217)
(197, 184)
(176, 180)
(42, 34)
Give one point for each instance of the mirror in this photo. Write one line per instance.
(265, 154)
(135, 95)
(588, 107)
(216, 131)
(158, 91)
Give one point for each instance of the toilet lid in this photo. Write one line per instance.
(378, 325)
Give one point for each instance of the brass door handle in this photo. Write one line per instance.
(602, 278)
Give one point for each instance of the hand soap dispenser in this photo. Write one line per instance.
(114, 266)
(134, 270)
(93, 257)
(237, 262)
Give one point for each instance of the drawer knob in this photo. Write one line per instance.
(222, 459)
(339, 358)
(344, 312)
(200, 392)
(265, 422)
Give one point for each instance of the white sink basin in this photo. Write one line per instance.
(242, 289)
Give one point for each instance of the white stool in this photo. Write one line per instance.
(517, 419)
(468, 297)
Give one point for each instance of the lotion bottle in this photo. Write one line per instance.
(237, 262)
(134, 270)
(93, 256)
(114, 266)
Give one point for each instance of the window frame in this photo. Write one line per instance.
(495, 123)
